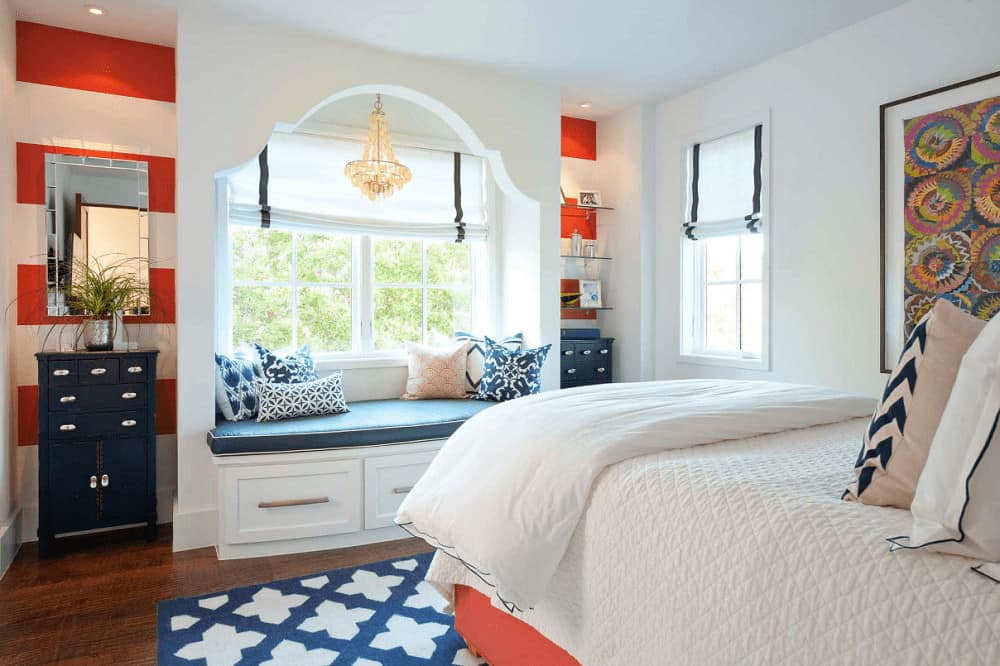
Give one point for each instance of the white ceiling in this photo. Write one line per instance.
(611, 54)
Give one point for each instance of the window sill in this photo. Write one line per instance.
(329, 364)
(721, 360)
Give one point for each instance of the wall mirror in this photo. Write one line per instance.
(96, 215)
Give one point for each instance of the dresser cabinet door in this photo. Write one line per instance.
(123, 481)
(74, 479)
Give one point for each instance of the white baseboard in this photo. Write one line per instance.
(29, 514)
(10, 541)
(194, 529)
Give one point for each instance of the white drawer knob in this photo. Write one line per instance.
(67, 427)
(61, 372)
(93, 481)
(568, 352)
(135, 369)
(67, 398)
(128, 423)
(98, 371)
(105, 480)
(128, 395)
(571, 371)
(587, 352)
(601, 370)
(604, 351)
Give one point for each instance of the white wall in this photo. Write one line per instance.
(8, 179)
(234, 81)
(824, 222)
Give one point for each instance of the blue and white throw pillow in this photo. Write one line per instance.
(476, 355)
(511, 374)
(235, 392)
(292, 369)
(287, 401)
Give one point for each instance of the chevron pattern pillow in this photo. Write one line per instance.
(476, 355)
(896, 443)
(288, 401)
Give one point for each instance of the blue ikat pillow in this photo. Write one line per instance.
(509, 374)
(235, 393)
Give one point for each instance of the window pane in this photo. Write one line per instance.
(449, 263)
(448, 310)
(398, 261)
(751, 315)
(398, 317)
(261, 255)
(323, 258)
(325, 318)
(264, 315)
(752, 256)
(721, 327)
(721, 258)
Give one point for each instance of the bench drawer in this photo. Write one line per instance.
(388, 479)
(293, 501)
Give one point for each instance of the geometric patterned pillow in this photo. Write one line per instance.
(476, 355)
(287, 401)
(235, 393)
(292, 369)
(895, 445)
(511, 374)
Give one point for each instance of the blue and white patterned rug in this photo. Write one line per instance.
(380, 614)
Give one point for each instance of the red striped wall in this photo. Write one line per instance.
(85, 61)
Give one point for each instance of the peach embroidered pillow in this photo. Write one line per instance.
(436, 372)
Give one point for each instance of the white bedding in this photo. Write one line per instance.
(507, 490)
(742, 553)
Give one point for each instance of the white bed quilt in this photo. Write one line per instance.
(742, 553)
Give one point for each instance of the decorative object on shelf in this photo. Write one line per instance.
(101, 291)
(584, 358)
(562, 196)
(576, 243)
(590, 249)
(589, 199)
(940, 213)
(570, 299)
(96, 442)
(378, 175)
(590, 294)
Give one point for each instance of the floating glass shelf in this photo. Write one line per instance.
(577, 307)
(585, 258)
(579, 207)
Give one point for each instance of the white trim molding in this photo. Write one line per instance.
(10, 542)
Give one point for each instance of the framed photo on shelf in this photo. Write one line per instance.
(590, 294)
(589, 199)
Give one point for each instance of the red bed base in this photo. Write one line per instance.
(499, 637)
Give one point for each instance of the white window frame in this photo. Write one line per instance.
(693, 280)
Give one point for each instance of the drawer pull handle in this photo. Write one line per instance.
(571, 371)
(67, 398)
(277, 504)
(67, 427)
(128, 395)
(105, 480)
(568, 352)
(99, 371)
(587, 352)
(135, 369)
(402, 491)
(61, 372)
(93, 481)
(601, 370)
(604, 351)
(128, 423)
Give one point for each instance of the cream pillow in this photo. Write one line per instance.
(436, 372)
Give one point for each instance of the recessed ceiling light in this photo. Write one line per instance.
(96, 11)
(585, 105)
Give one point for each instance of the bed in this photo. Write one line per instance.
(739, 551)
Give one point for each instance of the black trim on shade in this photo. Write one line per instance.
(758, 156)
(459, 213)
(265, 210)
(695, 150)
(753, 219)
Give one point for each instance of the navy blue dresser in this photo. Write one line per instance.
(585, 361)
(96, 442)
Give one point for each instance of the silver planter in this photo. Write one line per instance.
(99, 334)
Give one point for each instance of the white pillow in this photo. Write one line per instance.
(955, 505)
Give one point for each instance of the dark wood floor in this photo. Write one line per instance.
(94, 601)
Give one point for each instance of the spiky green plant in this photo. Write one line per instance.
(100, 290)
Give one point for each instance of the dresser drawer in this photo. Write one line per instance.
(388, 479)
(98, 371)
(72, 425)
(62, 373)
(298, 500)
(90, 398)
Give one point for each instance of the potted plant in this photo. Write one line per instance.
(101, 291)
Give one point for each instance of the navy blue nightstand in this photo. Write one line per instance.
(585, 361)
(96, 442)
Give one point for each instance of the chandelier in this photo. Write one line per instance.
(378, 175)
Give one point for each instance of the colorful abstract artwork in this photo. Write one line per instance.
(952, 210)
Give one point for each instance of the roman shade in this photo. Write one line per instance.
(725, 185)
(298, 182)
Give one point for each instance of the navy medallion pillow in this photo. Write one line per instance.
(292, 369)
(511, 374)
(287, 401)
(476, 355)
(235, 393)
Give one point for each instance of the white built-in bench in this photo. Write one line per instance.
(323, 482)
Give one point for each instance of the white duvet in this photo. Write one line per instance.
(507, 491)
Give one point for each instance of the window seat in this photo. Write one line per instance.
(369, 423)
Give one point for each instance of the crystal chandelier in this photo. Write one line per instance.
(378, 175)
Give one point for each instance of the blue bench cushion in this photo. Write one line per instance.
(368, 423)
